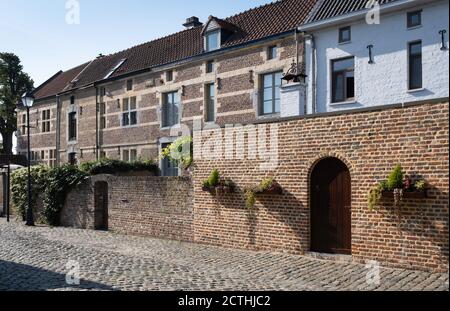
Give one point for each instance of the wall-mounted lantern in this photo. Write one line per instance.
(296, 73)
(219, 83)
(370, 47)
(443, 45)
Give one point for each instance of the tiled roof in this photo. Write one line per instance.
(326, 9)
(58, 82)
(255, 24)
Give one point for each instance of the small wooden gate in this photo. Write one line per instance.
(101, 205)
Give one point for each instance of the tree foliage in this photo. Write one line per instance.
(13, 84)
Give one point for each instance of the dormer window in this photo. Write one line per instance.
(216, 32)
(212, 40)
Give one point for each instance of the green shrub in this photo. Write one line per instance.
(19, 187)
(108, 166)
(180, 151)
(60, 181)
(395, 179)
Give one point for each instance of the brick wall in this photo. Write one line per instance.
(371, 143)
(153, 206)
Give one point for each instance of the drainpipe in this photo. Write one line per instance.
(314, 74)
(58, 130)
(97, 133)
(296, 47)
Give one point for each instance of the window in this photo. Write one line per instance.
(129, 115)
(102, 116)
(169, 75)
(272, 52)
(24, 124)
(415, 65)
(212, 40)
(129, 155)
(129, 85)
(73, 158)
(72, 100)
(102, 91)
(210, 102)
(120, 63)
(271, 84)
(210, 66)
(102, 122)
(45, 124)
(168, 167)
(52, 158)
(72, 126)
(414, 19)
(343, 80)
(345, 34)
(170, 109)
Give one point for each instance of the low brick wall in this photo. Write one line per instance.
(370, 143)
(159, 207)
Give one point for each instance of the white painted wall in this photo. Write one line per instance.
(386, 81)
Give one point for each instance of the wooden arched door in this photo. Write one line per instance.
(331, 207)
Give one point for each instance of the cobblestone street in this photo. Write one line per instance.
(36, 259)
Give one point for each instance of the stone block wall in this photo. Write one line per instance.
(370, 143)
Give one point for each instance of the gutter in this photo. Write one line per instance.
(385, 8)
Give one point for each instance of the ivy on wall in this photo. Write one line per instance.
(55, 183)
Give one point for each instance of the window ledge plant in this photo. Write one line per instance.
(397, 186)
(267, 186)
(215, 185)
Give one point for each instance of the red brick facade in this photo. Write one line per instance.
(370, 144)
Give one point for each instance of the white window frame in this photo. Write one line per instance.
(128, 112)
(219, 40)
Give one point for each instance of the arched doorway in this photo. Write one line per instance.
(101, 205)
(331, 207)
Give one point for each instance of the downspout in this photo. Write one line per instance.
(58, 130)
(314, 74)
(296, 47)
(97, 132)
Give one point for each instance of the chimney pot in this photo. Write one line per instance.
(192, 22)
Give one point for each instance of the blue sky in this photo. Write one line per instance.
(38, 33)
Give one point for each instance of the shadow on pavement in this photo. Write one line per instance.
(19, 277)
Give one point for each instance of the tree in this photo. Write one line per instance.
(13, 84)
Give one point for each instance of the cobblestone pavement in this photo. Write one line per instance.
(36, 259)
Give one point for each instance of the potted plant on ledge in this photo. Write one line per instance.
(267, 186)
(397, 186)
(215, 185)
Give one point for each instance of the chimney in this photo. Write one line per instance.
(192, 22)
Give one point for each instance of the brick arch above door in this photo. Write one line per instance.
(313, 162)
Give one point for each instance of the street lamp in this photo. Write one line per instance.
(28, 101)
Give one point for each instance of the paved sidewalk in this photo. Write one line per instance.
(36, 259)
